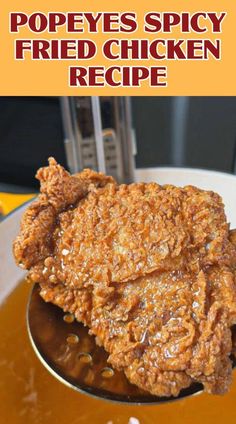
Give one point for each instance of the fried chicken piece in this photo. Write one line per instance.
(149, 268)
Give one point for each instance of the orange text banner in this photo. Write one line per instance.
(118, 48)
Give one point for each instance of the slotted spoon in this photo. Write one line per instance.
(69, 353)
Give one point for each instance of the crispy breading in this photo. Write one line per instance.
(149, 268)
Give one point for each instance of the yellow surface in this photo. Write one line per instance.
(8, 201)
(50, 77)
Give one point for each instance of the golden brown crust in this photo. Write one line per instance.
(149, 268)
(58, 191)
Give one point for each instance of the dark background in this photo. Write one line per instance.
(177, 131)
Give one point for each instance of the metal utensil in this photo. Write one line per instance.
(99, 135)
(68, 352)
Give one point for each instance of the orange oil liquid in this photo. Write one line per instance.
(29, 394)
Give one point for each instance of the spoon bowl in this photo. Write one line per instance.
(66, 349)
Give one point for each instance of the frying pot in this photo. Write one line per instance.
(11, 275)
